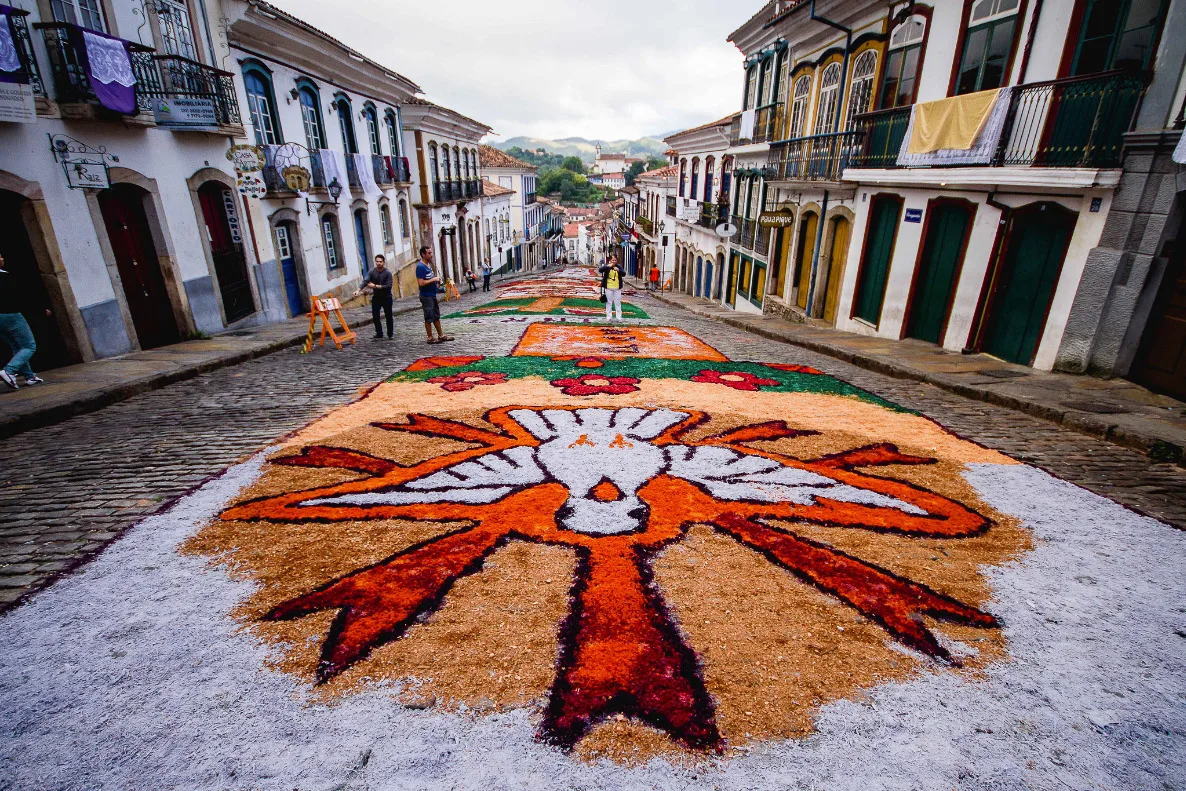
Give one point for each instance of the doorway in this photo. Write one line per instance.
(361, 238)
(138, 264)
(875, 261)
(285, 236)
(1161, 362)
(226, 248)
(24, 277)
(840, 236)
(944, 242)
(699, 273)
(807, 232)
(1023, 281)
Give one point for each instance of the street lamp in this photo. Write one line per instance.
(335, 192)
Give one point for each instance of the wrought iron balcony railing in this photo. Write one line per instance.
(713, 214)
(645, 225)
(768, 123)
(352, 173)
(182, 78)
(24, 50)
(745, 231)
(382, 170)
(71, 83)
(1071, 123)
(529, 198)
(813, 158)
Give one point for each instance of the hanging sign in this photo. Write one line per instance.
(297, 178)
(87, 175)
(251, 185)
(246, 158)
(726, 230)
(232, 216)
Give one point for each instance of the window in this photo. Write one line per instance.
(800, 95)
(991, 26)
(372, 122)
(346, 124)
(310, 102)
(783, 72)
(465, 154)
(860, 91)
(403, 219)
(695, 176)
(901, 64)
(385, 225)
(84, 13)
(766, 88)
(333, 246)
(1117, 34)
(751, 88)
(393, 133)
(258, 84)
(445, 163)
(457, 164)
(177, 34)
(708, 175)
(683, 176)
(829, 88)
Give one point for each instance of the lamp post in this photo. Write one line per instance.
(335, 192)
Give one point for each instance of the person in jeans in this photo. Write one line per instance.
(379, 283)
(487, 271)
(429, 282)
(611, 282)
(654, 278)
(15, 333)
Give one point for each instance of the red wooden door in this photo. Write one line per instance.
(139, 268)
(226, 248)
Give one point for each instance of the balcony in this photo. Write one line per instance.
(473, 188)
(814, 158)
(745, 231)
(400, 169)
(72, 87)
(712, 215)
(445, 191)
(1072, 123)
(645, 225)
(670, 205)
(206, 94)
(529, 199)
(24, 51)
(767, 126)
(381, 167)
(352, 173)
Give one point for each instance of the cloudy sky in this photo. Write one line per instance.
(607, 69)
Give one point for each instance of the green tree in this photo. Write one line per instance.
(634, 172)
(574, 164)
(654, 163)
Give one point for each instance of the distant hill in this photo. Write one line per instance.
(587, 149)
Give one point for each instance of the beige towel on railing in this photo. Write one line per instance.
(951, 123)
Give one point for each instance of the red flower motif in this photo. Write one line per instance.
(467, 380)
(596, 384)
(738, 380)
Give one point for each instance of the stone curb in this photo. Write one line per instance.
(104, 397)
(1155, 447)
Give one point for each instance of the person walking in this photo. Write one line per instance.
(378, 284)
(16, 334)
(654, 278)
(487, 271)
(611, 284)
(472, 280)
(429, 282)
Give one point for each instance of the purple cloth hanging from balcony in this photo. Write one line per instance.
(11, 69)
(108, 67)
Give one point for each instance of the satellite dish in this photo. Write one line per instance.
(726, 229)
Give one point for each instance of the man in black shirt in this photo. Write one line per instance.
(379, 282)
(15, 333)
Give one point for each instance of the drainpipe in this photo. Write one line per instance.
(840, 89)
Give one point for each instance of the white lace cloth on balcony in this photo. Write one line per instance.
(1179, 155)
(333, 167)
(748, 119)
(366, 174)
(109, 60)
(9, 59)
(981, 153)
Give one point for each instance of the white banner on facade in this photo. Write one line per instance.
(748, 118)
(16, 103)
(184, 111)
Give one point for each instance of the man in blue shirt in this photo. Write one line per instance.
(429, 281)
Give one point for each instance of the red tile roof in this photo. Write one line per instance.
(572, 229)
(492, 190)
(491, 157)
(661, 173)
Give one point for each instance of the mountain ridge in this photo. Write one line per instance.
(586, 148)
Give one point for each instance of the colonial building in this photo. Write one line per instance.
(312, 102)
(118, 207)
(609, 163)
(625, 225)
(496, 221)
(655, 223)
(702, 204)
(449, 204)
(854, 208)
(514, 174)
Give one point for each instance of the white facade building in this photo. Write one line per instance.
(702, 204)
(496, 221)
(526, 216)
(656, 224)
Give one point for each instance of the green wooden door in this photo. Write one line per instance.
(883, 228)
(1026, 280)
(934, 285)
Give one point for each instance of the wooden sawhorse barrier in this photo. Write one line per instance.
(326, 308)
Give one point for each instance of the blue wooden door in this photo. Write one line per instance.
(708, 278)
(360, 234)
(699, 267)
(292, 286)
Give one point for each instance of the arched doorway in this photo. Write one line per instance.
(699, 274)
(1021, 284)
(808, 227)
(715, 282)
(226, 248)
(138, 264)
(840, 236)
(287, 249)
(362, 240)
(24, 276)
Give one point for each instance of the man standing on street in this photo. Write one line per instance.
(429, 281)
(15, 333)
(654, 278)
(611, 282)
(379, 283)
(487, 271)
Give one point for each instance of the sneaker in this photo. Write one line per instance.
(34, 380)
(9, 380)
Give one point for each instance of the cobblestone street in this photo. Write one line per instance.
(70, 489)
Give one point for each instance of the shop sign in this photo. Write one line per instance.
(776, 219)
(184, 111)
(914, 215)
(16, 103)
(87, 175)
(297, 178)
(232, 216)
(251, 185)
(246, 158)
